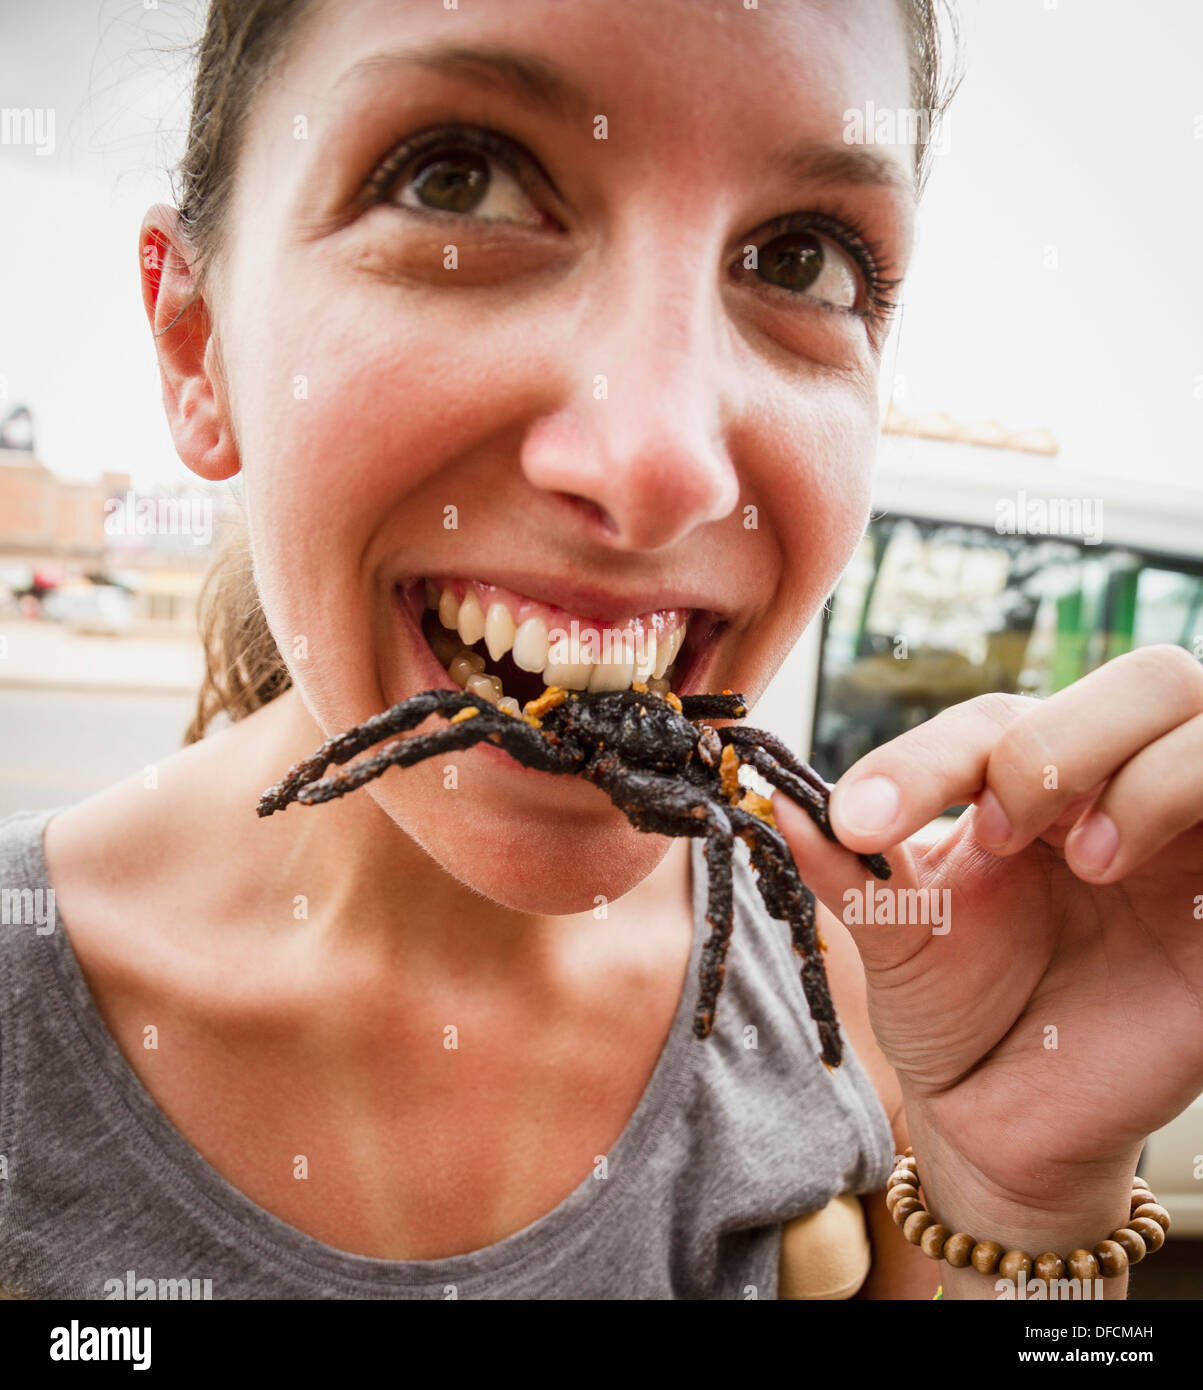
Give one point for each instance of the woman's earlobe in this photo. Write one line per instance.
(200, 428)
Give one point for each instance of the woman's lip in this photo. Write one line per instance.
(413, 596)
(586, 602)
(411, 604)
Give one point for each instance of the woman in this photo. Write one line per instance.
(514, 305)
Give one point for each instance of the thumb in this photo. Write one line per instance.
(881, 914)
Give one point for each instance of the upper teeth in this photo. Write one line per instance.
(470, 620)
(499, 630)
(560, 661)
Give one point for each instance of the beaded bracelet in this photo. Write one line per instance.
(1145, 1232)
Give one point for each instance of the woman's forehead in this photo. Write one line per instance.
(809, 55)
(705, 78)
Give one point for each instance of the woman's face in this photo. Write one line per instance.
(606, 350)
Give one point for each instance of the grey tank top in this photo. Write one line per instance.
(101, 1197)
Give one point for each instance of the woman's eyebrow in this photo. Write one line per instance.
(534, 81)
(814, 161)
(542, 85)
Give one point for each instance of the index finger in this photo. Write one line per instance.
(901, 786)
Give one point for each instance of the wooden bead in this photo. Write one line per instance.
(931, 1242)
(1112, 1258)
(1139, 1199)
(1049, 1266)
(1156, 1213)
(1130, 1243)
(958, 1248)
(899, 1177)
(1149, 1231)
(1139, 1183)
(908, 1152)
(908, 1206)
(985, 1256)
(1013, 1262)
(1082, 1265)
(899, 1193)
(916, 1223)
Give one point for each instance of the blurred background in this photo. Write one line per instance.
(1037, 509)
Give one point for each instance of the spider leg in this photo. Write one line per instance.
(720, 918)
(800, 782)
(342, 748)
(789, 900)
(664, 805)
(695, 707)
(518, 738)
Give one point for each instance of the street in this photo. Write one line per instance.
(59, 746)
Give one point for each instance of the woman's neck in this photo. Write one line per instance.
(360, 882)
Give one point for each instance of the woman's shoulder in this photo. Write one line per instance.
(124, 828)
(20, 845)
(132, 870)
(147, 844)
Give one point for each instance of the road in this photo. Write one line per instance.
(57, 747)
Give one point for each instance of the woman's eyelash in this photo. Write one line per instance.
(845, 230)
(448, 138)
(849, 234)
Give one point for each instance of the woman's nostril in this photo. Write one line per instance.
(596, 513)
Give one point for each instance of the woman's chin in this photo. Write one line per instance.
(552, 854)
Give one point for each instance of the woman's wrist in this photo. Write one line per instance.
(1076, 1210)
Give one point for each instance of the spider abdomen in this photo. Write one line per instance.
(645, 732)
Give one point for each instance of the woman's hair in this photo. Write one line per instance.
(241, 42)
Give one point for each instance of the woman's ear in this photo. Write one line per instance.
(194, 393)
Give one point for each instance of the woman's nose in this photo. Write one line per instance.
(641, 436)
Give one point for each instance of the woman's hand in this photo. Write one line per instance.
(1047, 1013)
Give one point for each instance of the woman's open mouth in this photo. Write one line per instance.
(506, 647)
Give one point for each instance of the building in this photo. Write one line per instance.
(70, 538)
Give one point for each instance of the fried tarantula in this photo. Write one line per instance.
(668, 770)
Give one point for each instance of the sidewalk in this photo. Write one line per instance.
(46, 656)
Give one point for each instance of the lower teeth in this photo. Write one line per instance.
(487, 687)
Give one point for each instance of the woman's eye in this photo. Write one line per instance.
(809, 264)
(466, 183)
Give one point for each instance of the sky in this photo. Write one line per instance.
(1056, 282)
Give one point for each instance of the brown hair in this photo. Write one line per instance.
(241, 42)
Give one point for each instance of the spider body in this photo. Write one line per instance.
(661, 762)
(645, 733)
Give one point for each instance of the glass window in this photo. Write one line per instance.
(932, 613)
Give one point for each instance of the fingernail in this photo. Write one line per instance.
(991, 827)
(869, 806)
(1095, 842)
